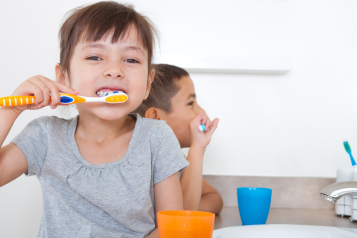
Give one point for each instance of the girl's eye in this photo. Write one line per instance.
(132, 61)
(96, 58)
(191, 103)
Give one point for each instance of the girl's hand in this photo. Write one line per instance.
(45, 90)
(199, 138)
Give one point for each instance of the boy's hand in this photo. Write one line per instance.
(199, 138)
(44, 90)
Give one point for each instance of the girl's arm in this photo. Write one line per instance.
(211, 200)
(12, 160)
(168, 196)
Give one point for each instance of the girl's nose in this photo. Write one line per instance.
(113, 75)
(114, 72)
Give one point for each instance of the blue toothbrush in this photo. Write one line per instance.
(201, 128)
(348, 150)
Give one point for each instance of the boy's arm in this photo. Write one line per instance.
(168, 196)
(191, 179)
(211, 200)
(13, 162)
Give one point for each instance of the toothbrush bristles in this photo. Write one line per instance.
(105, 94)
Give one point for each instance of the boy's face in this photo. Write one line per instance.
(101, 67)
(184, 108)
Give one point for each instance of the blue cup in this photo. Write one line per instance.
(254, 205)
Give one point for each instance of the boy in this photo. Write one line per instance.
(172, 98)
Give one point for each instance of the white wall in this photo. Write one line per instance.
(289, 125)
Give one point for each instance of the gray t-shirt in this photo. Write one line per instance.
(110, 200)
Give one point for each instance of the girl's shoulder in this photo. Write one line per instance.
(51, 123)
(53, 120)
(60, 122)
(152, 129)
(151, 125)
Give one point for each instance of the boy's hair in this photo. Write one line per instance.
(163, 88)
(92, 23)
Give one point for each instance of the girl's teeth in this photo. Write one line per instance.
(103, 93)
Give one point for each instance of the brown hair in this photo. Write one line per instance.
(163, 88)
(92, 23)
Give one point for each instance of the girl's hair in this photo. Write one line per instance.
(163, 88)
(92, 23)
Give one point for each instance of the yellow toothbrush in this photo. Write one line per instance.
(116, 97)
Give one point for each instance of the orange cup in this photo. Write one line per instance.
(185, 224)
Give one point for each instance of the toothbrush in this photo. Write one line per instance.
(201, 128)
(116, 97)
(348, 150)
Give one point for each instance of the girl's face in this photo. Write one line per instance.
(100, 67)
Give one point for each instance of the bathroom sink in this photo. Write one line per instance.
(283, 231)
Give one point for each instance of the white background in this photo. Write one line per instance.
(271, 125)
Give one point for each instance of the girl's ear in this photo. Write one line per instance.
(61, 77)
(149, 82)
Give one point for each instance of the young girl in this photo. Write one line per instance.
(103, 173)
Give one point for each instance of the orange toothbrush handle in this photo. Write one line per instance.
(12, 101)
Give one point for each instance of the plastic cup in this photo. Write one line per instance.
(254, 205)
(185, 224)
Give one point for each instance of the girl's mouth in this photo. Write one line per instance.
(105, 92)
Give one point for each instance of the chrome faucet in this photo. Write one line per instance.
(335, 191)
